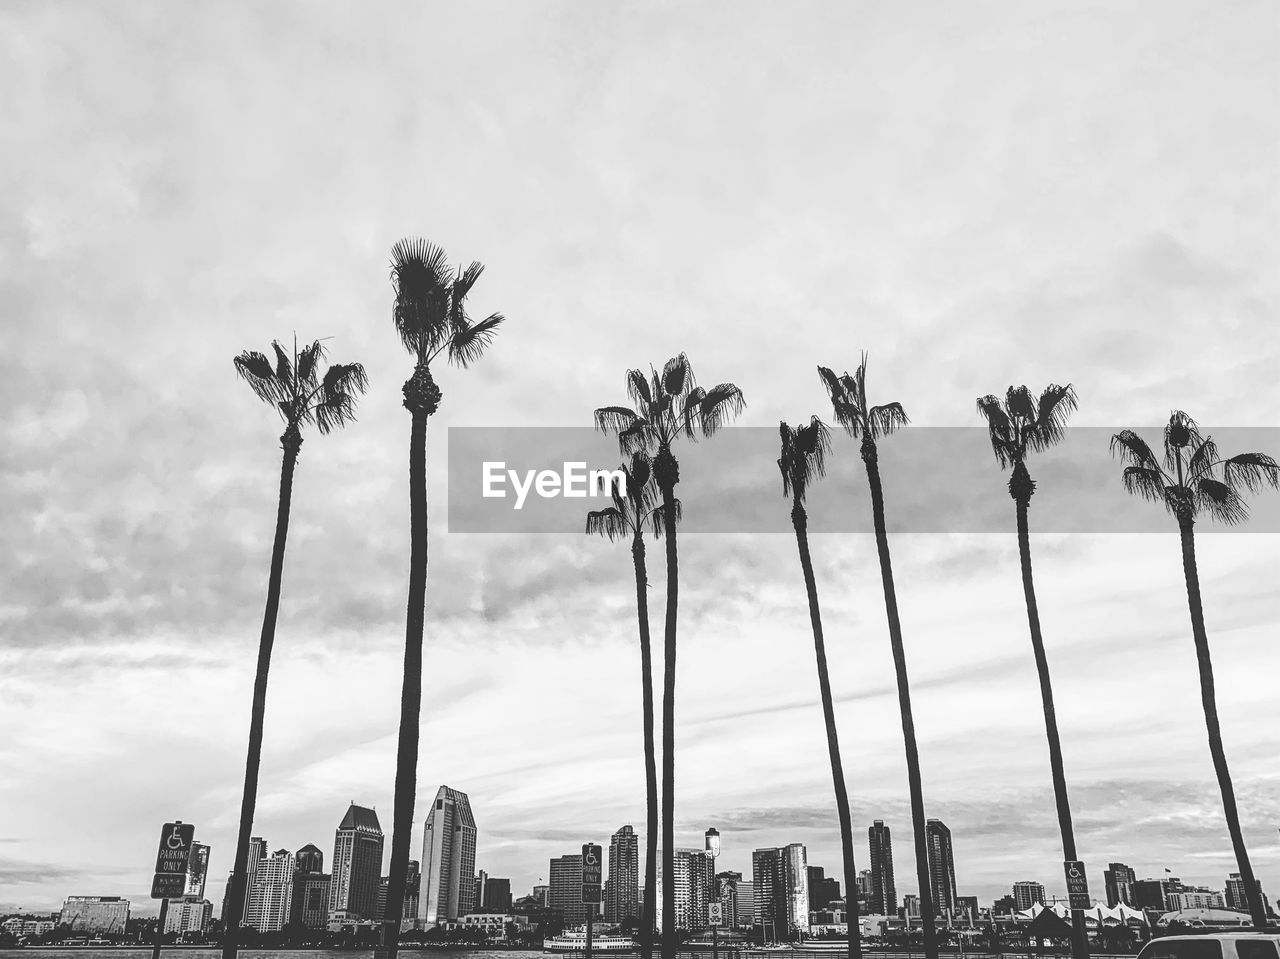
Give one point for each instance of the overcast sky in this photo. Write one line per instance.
(977, 194)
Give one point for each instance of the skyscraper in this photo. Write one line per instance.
(781, 878)
(271, 894)
(882, 898)
(1119, 880)
(942, 867)
(564, 890)
(257, 853)
(622, 899)
(1027, 894)
(356, 866)
(1236, 897)
(448, 859)
(309, 859)
(823, 889)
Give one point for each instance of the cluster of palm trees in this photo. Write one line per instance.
(431, 320)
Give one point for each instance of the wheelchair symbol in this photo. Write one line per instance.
(175, 837)
(591, 858)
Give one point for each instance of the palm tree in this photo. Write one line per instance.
(804, 459)
(669, 405)
(860, 420)
(301, 396)
(632, 511)
(431, 319)
(1020, 425)
(1187, 484)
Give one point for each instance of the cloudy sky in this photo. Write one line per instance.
(977, 194)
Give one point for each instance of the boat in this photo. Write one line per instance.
(575, 941)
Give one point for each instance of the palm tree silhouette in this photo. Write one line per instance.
(1020, 425)
(669, 405)
(633, 511)
(1188, 485)
(302, 397)
(870, 423)
(431, 319)
(802, 461)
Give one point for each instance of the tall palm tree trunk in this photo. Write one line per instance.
(799, 521)
(1079, 940)
(904, 704)
(1209, 698)
(650, 756)
(291, 442)
(669, 727)
(411, 691)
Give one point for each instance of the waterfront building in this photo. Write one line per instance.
(189, 917)
(823, 889)
(448, 859)
(622, 892)
(257, 853)
(882, 896)
(564, 891)
(271, 894)
(942, 867)
(412, 883)
(356, 867)
(1026, 894)
(103, 915)
(310, 907)
(781, 877)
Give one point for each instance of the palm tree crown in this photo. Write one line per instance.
(668, 405)
(635, 504)
(1021, 424)
(297, 391)
(1187, 481)
(849, 399)
(804, 456)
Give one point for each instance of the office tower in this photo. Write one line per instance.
(942, 867)
(448, 859)
(497, 895)
(310, 906)
(781, 878)
(188, 916)
(309, 860)
(257, 852)
(823, 889)
(1119, 880)
(1151, 894)
(98, 914)
(882, 898)
(542, 896)
(564, 891)
(729, 883)
(412, 883)
(356, 866)
(682, 881)
(701, 888)
(1027, 894)
(197, 871)
(745, 913)
(1236, 897)
(271, 895)
(864, 884)
(622, 895)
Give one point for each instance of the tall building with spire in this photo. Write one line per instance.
(882, 897)
(942, 867)
(448, 859)
(622, 890)
(356, 868)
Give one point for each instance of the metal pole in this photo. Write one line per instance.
(164, 913)
(591, 908)
(715, 929)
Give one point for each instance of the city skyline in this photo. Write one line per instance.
(975, 199)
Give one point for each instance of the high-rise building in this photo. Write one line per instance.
(564, 890)
(622, 895)
(681, 880)
(701, 888)
(257, 853)
(864, 885)
(781, 878)
(189, 916)
(105, 915)
(495, 895)
(309, 860)
(197, 872)
(310, 906)
(911, 906)
(942, 867)
(882, 898)
(1236, 897)
(412, 885)
(356, 867)
(271, 894)
(1119, 880)
(448, 859)
(823, 889)
(1026, 894)
(1153, 893)
(744, 894)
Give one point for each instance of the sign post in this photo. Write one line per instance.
(170, 879)
(592, 862)
(1077, 884)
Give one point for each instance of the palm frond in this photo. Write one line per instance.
(1253, 471)
(722, 402)
(1203, 459)
(691, 409)
(638, 388)
(838, 392)
(1000, 427)
(1220, 501)
(284, 368)
(465, 280)
(423, 285)
(342, 385)
(1020, 404)
(1145, 482)
(1056, 404)
(615, 419)
(470, 340)
(803, 458)
(677, 375)
(886, 419)
(308, 360)
(609, 522)
(256, 370)
(1133, 449)
(657, 517)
